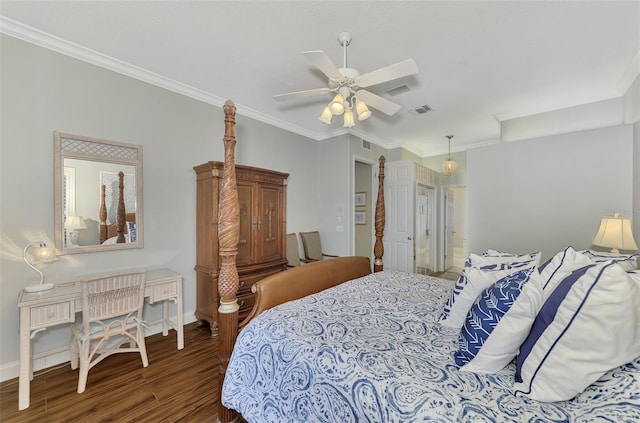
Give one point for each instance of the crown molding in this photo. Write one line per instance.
(62, 46)
(629, 75)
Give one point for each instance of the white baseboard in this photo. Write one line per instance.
(61, 355)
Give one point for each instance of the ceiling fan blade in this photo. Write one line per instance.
(377, 102)
(322, 62)
(300, 94)
(388, 73)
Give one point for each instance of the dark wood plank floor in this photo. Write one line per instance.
(177, 386)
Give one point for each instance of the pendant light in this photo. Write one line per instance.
(450, 166)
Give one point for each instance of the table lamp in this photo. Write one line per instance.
(41, 254)
(615, 233)
(72, 224)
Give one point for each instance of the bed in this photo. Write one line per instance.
(123, 229)
(374, 346)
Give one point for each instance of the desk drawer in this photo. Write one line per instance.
(51, 314)
(162, 291)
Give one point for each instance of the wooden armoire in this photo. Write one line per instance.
(261, 247)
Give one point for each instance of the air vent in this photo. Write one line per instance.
(398, 90)
(420, 110)
(366, 145)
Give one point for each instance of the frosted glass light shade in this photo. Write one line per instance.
(615, 233)
(362, 110)
(326, 115)
(337, 105)
(348, 119)
(449, 167)
(41, 254)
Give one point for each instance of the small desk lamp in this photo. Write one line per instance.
(41, 254)
(615, 233)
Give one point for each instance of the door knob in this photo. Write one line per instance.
(409, 237)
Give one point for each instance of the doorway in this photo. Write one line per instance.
(455, 242)
(424, 244)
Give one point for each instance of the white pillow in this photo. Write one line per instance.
(589, 325)
(499, 321)
(489, 260)
(627, 261)
(471, 283)
(635, 275)
(559, 266)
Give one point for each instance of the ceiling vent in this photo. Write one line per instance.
(366, 145)
(420, 110)
(398, 90)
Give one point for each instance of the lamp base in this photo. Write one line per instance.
(39, 288)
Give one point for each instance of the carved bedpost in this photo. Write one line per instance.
(120, 219)
(103, 213)
(378, 248)
(228, 235)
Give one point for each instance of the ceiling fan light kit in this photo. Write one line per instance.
(348, 84)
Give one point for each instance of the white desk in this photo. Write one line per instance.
(58, 306)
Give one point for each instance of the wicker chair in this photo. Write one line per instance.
(312, 246)
(111, 321)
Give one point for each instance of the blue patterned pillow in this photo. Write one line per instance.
(133, 235)
(499, 321)
(470, 284)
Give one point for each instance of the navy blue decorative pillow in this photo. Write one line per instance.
(131, 228)
(499, 321)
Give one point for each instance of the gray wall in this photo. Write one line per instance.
(546, 193)
(43, 91)
(564, 182)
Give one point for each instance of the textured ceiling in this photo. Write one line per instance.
(479, 61)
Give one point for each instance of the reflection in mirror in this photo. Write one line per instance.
(98, 194)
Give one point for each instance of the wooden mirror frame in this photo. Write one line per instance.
(68, 146)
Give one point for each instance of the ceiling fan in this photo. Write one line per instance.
(348, 85)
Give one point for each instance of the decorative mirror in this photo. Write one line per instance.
(98, 194)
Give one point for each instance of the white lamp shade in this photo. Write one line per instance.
(449, 167)
(348, 119)
(337, 105)
(362, 110)
(615, 233)
(326, 115)
(74, 222)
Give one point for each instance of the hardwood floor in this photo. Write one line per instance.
(177, 386)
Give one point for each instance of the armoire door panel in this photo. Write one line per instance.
(270, 223)
(247, 223)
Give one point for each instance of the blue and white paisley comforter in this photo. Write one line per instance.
(371, 350)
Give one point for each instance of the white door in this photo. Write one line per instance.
(398, 233)
(448, 228)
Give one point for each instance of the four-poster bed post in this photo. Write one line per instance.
(378, 247)
(228, 233)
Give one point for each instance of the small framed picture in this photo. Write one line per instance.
(360, 199)
(361, 218)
